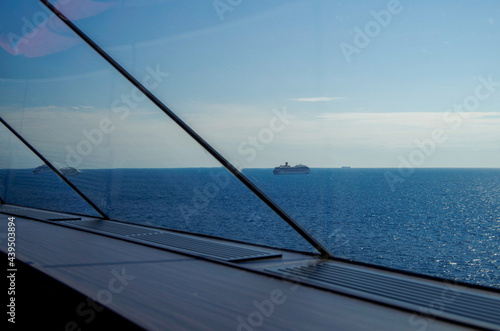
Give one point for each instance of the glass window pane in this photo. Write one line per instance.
(25, 180)
(131, 160)
(387, 88)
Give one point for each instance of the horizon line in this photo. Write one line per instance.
(222, 167)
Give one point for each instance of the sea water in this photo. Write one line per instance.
(439, 222)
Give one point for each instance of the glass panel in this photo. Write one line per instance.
(383, 86)
(127, 156)
(26, 181)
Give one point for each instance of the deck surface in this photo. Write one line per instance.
(161, 290)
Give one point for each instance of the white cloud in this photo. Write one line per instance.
(318, 99)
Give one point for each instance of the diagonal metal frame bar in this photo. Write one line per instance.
(11, 129)
(262, 196)
(1, 201)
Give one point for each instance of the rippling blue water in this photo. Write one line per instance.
(441, 222)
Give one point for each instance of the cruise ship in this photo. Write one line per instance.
(286, 169)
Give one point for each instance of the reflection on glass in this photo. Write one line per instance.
(26, 181)
(129, 158)
(384, 87)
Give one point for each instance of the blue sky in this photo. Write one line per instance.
(229, 78)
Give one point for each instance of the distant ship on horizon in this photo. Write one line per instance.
(68, 171)
(285, 169)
